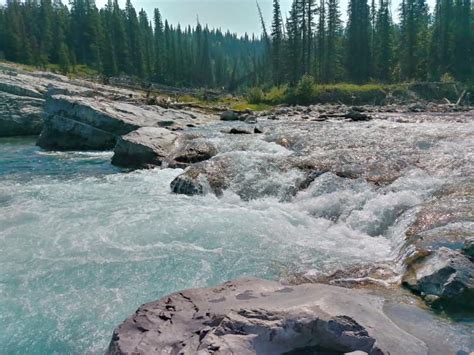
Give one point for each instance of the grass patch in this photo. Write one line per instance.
(242, 106)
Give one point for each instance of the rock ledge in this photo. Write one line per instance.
(251, 316)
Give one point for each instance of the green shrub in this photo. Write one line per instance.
(255, 95)
(447, 78)
(304, 91)
(277, 95)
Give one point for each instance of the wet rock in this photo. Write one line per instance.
(468, 248)
(229, 115)
(144, 148)
(258, 130)
(416, 107)
(251, 316)
(251, 119)
(239, 130)
(191, 151)
(445, 274)
(209, 176)
(357, 116)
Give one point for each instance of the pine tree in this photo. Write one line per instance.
(414, 20)
(334, 69)
(63, 59)
(108, 49)
(277, 43)
(463, 49)
(294, 53)
(120, 40)
(159, 47)
(358, 42)
(45, 25)
(322, 60)
(382, 50)
(135, 41)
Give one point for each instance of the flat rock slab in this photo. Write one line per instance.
(114, 118)
(251, 316)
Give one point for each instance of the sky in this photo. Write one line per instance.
(238, 16)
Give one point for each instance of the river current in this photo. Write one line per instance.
(84, 243)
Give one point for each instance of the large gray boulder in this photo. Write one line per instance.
(144, 148)
(251, 316)
(149, 147)
(192, 150)
(445, 278)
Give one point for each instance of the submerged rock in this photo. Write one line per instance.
(238, 130)
(444, 278)
(251, 316)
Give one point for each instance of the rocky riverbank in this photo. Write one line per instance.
(402, 172)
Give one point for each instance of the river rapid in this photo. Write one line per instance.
(84, 243)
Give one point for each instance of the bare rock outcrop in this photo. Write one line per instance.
(251, 316)
(70, 121)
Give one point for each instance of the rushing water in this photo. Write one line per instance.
(84, 243)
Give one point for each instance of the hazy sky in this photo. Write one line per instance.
(236, 15)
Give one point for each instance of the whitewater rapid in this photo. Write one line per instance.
(84, 243)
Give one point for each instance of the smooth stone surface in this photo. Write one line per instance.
(251, 316)
(229, 115)
(144, 148)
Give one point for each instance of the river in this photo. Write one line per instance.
(84, 243)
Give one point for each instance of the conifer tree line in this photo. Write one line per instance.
(311, 39)
(422, 46)
(121, 41)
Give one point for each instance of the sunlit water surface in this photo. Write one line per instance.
(83, 244)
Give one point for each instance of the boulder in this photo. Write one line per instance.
(62, 133)
(229, 115)
(212, 175)
(251, 316)
(468, 248)
(445, 278)
(191, 151)
(20, 115)
(240, 130)
(144, 148)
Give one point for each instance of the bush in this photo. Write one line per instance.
(277, 95)
(255, 95)
(349, 94)
(447, 78)
(304, 91)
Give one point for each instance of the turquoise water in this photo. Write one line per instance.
(84, 244)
